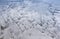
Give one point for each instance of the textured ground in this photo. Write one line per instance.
(30, 19)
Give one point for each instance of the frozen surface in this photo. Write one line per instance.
(30, 19)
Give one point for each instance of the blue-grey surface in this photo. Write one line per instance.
(29, 19)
